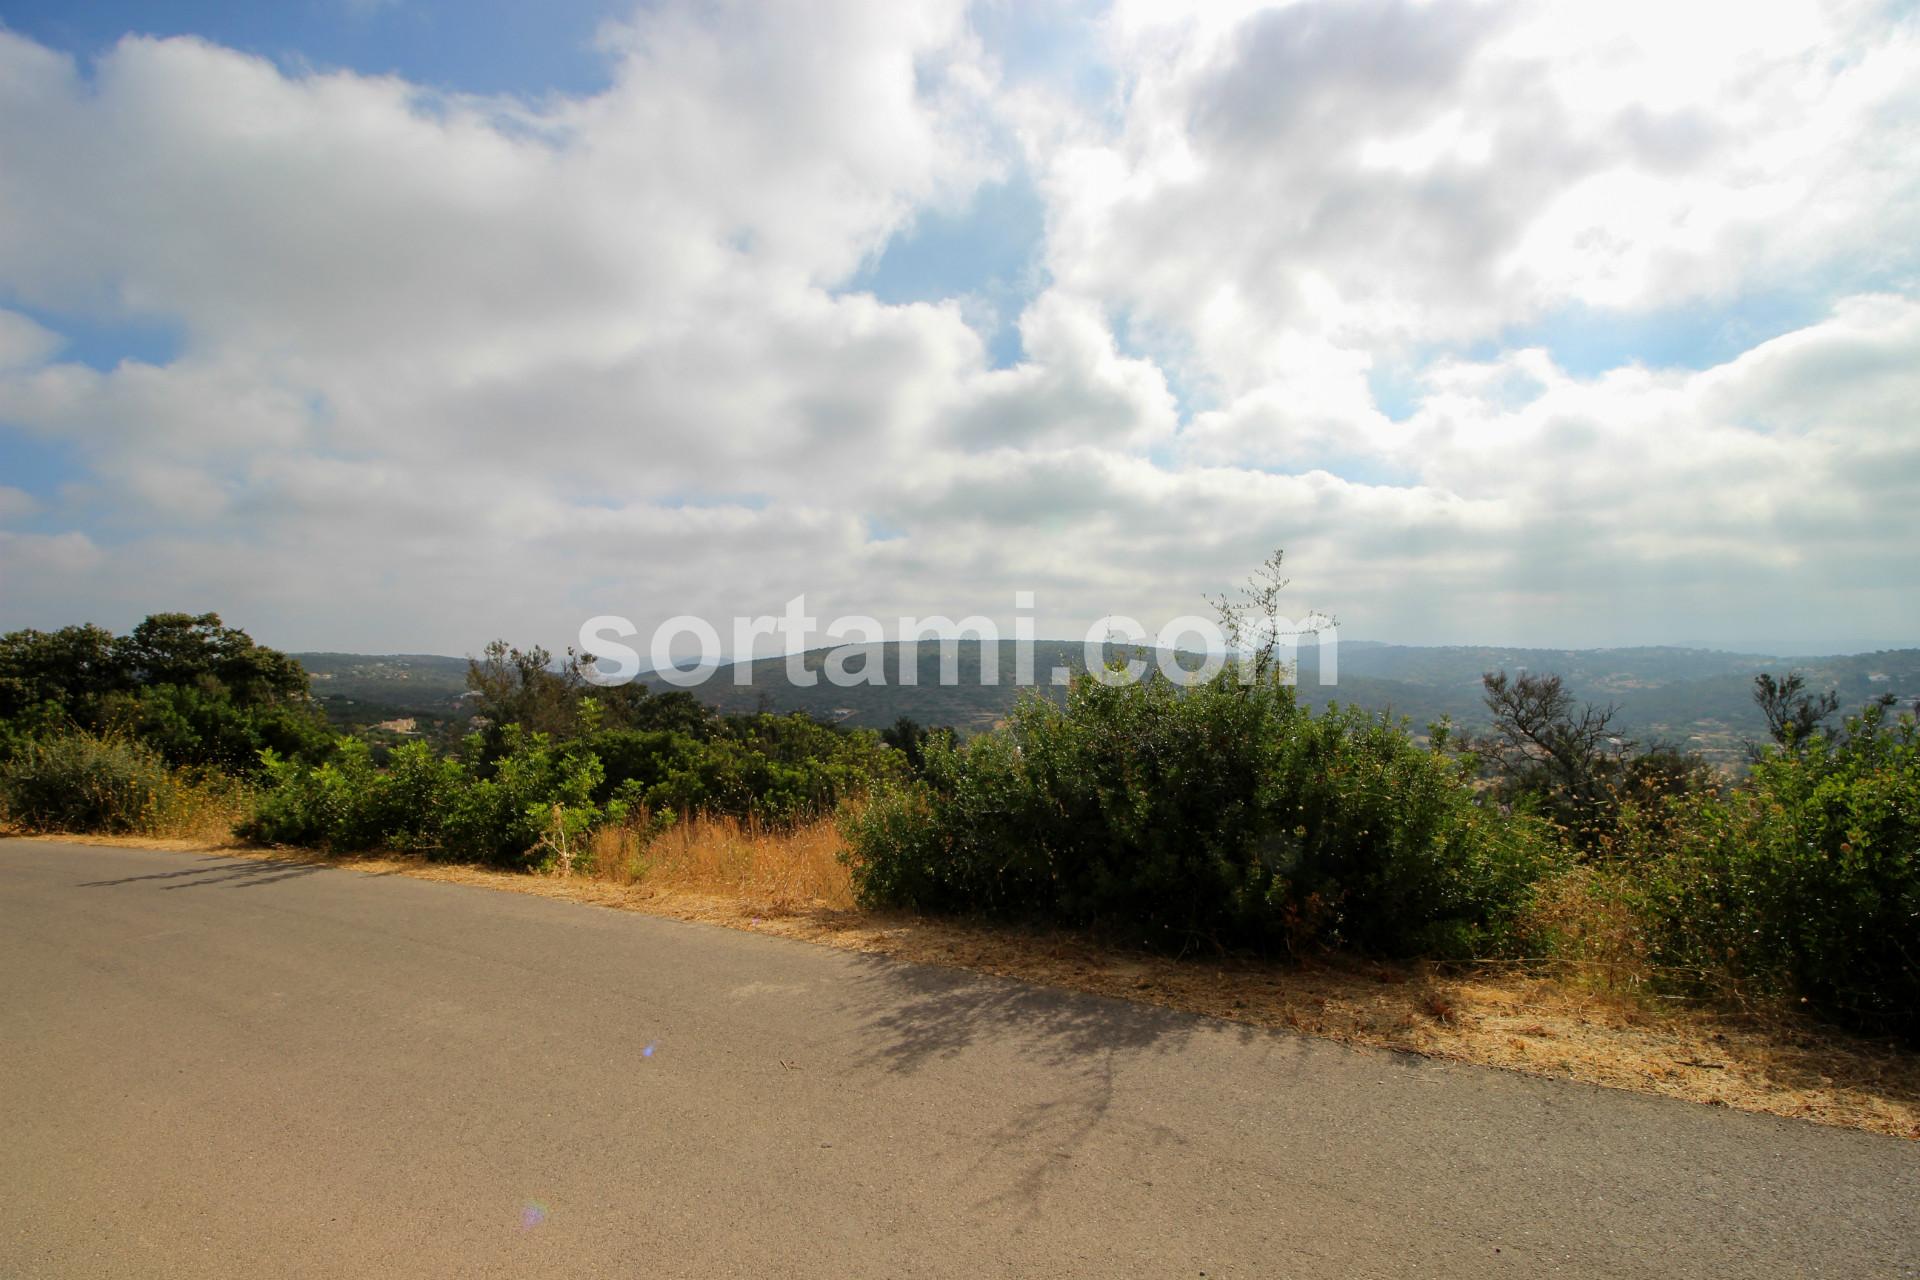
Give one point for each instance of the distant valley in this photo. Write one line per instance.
(1697, 698)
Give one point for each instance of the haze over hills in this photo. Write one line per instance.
(1697, 698)
(359, 689)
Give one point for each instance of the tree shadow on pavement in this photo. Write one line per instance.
(928, 1014)
(924, 1016)
(235, 874)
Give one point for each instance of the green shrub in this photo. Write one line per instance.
(411, 799)
(897, 849)
(79, 782)
(1804, 883)
(777, 769)
(424, 802)
(348, 805)
(1224, 814)
(312, 805)
(1395, 840)
(198, 725)
(517, 796)
(505, 819)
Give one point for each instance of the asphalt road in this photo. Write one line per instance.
(217, 1068)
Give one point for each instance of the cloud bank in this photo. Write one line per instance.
(1318, 275)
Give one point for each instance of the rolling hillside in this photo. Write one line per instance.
(357, 689)
(1695, 697)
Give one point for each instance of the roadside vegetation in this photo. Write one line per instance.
(1227, 819)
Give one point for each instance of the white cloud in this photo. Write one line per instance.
(30, 557)
(1385, 171)
(23, 342)
(456, 367)
(1074, 385)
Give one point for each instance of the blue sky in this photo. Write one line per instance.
(475, 46)
(1538, 324)
(990, 250)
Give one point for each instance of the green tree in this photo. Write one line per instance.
(196, 690)
(185, 649)
(523, 687)
(66, 671)
(1793, 715)
(1544, 746)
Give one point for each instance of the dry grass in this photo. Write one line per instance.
(204, 808)
(1593, 935)
(1588, 1023)
(770, 872)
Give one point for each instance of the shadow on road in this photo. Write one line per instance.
(933, 1015)
(240, 874)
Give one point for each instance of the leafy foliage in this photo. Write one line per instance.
(521, 687)
(43, 671)
(910, 739)
(196, 691)
(1224, 814)
(73, 781)
(426, 803)
(1793, 715)
(521, 798)
(503, 818)
(1803, 883)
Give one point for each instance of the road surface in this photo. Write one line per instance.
(212, 1067)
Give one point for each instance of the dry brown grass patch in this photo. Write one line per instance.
(199, 808)
(771, 871)
(1580, 918)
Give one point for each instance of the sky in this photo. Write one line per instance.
(399, 325)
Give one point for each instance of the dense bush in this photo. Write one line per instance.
(201, 724)
(534, 788)
(775, 769)
(79, 782)
(427, 803)
(1803, 883)
(521, 797)
(347, 805)
(1223, 814)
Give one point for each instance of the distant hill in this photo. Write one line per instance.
(1698, 698)
(357, 689)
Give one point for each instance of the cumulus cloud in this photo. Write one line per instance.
(455, 366)
(1074, 385)
(1389, 171)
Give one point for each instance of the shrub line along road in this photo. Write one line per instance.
(215, 1067)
